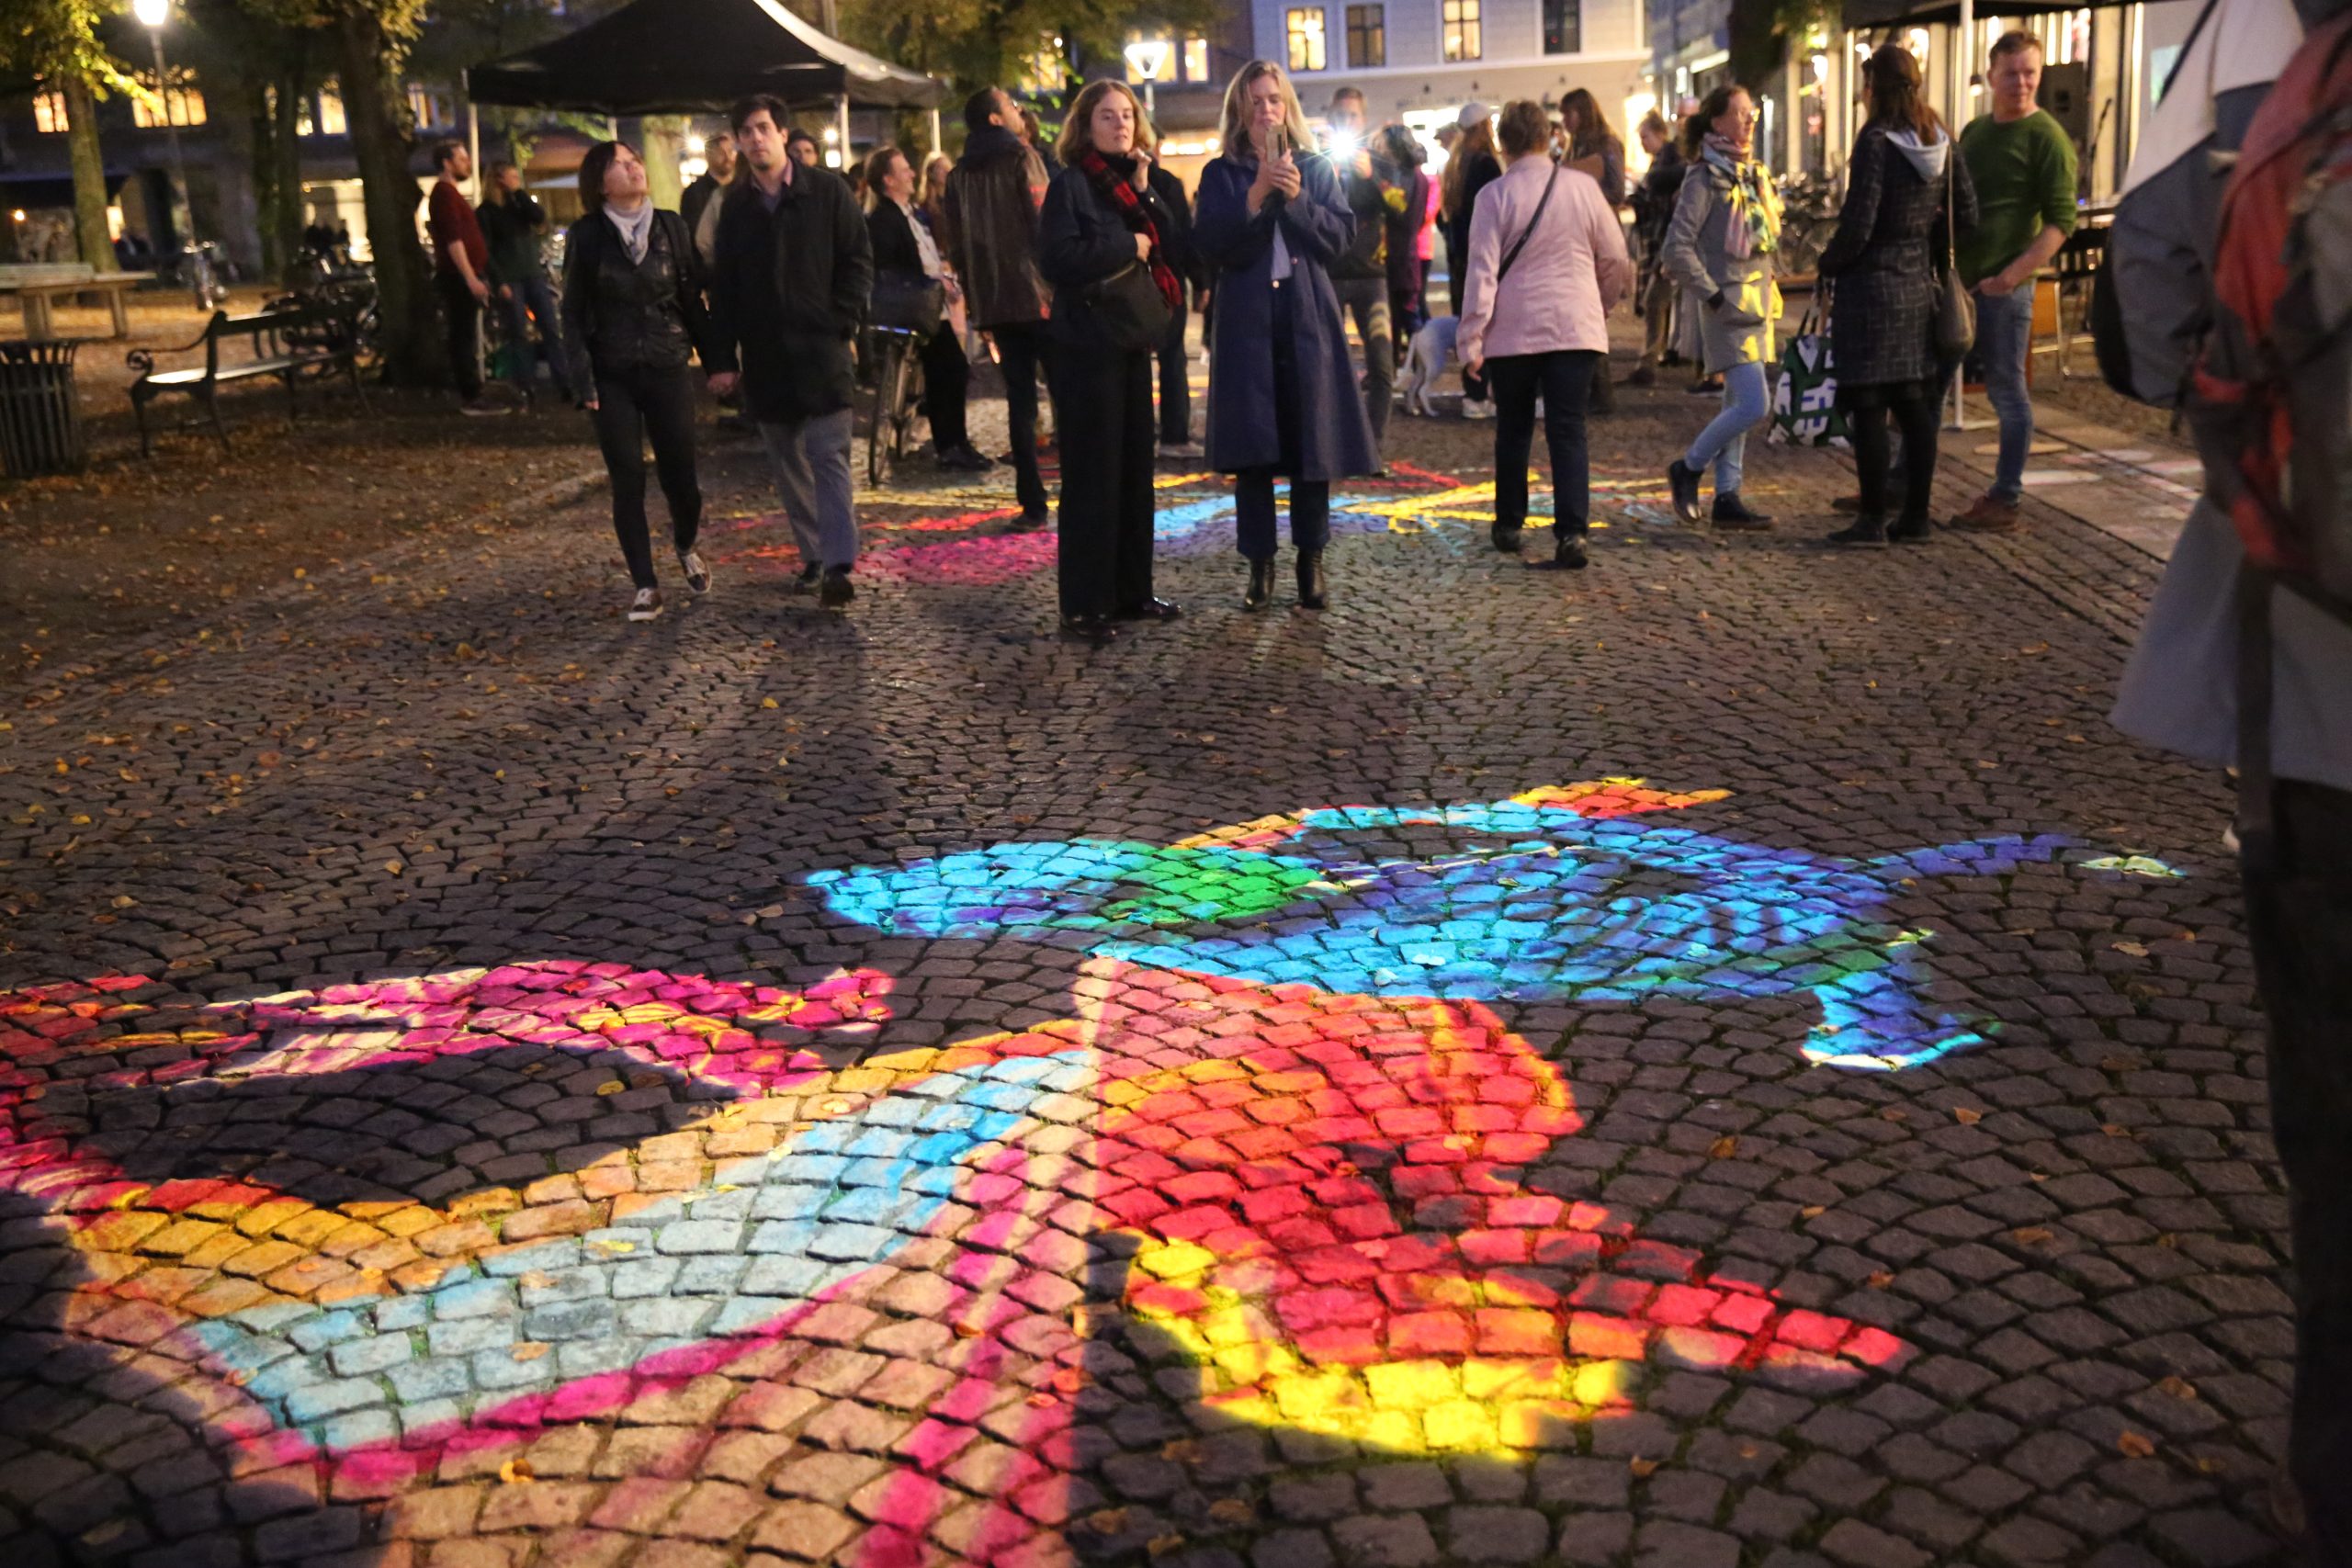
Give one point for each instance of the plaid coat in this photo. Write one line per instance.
(1884, 261)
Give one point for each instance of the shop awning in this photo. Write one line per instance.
(1862, 16)
(695, 57)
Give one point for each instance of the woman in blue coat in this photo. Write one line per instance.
(1283, 397)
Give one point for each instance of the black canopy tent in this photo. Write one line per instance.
(1870, 15)
(697, 57)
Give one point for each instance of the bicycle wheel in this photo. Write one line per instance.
(903, 403)
(878, 452)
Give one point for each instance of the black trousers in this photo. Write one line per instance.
(1565, 380)
(1253, 489)
(1102, 402)
(634, 403)
(1022, 353)
(2299, 913)
(461, 313)
(946, 374)
(1175, 388)
(1913, 406)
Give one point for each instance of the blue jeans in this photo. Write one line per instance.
(533, 299)
(1746, 404)
(2003, 336)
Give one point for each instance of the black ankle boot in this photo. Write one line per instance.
(1868, 532)
(1911, 531)
(1310, 580)
(1682, 484)
(1507, 540)
(1261, 585)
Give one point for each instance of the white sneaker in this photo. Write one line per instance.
(1474, 408)
(697, 574)
(647, 605)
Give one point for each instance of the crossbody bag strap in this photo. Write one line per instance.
(1529, 233)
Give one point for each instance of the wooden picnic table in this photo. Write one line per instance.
(35, 284)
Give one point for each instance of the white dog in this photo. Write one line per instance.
(1425, 361)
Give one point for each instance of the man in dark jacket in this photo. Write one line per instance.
(1375, 192)
(700, 205)
(991, 239)
(1175, 362)
(788, 288)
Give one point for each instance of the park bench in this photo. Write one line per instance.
(37, 284)
(290, 344)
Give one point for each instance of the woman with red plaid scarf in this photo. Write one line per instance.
(1101, 221)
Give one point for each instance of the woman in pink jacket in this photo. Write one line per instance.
(1547, 260)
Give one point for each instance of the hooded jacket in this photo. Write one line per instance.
(989, 228)
(1890, 239)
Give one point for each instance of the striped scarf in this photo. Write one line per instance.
(1121, 193)
(1755, 205)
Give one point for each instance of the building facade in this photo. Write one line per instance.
(1421, 60)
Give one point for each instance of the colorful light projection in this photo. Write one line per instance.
(1554, 895)
(1324, 1210)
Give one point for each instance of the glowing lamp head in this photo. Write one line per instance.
(1146, 58)
(152, 12)
(1341, 144)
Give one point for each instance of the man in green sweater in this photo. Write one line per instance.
(2023, 167)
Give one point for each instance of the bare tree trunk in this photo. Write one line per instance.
(89, 177)
(284, 217)
(379, 144)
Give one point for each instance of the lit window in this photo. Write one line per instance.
(1305, 29)
(431, 110)
(1563, 27)
(48, 113)
(182, 102)
(1461, 33)
(331, 120)
(1045, 70)
(1196, 58)
(1367, 36)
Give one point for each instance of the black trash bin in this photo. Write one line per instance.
(40, 419)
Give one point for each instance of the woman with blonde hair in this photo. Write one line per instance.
(1720, 248)
(1100, 245)
(1283, 398)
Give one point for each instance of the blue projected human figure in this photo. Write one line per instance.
(1537, 898)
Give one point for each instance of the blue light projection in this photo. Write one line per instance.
(1514, 900)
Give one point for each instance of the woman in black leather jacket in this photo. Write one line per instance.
(632, 308)
(902, 243)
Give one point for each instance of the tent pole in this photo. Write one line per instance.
(840, 121)
(1963, 66)
(473, 132)
(934, 132)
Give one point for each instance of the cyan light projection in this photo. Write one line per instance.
(1529, 900)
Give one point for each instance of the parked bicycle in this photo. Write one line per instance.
(201, 270)
(897, 388)
(1808, 219)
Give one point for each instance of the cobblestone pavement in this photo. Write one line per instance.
(1723, 1059)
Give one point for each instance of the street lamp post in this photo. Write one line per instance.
(1147, 57)
(152, 15)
